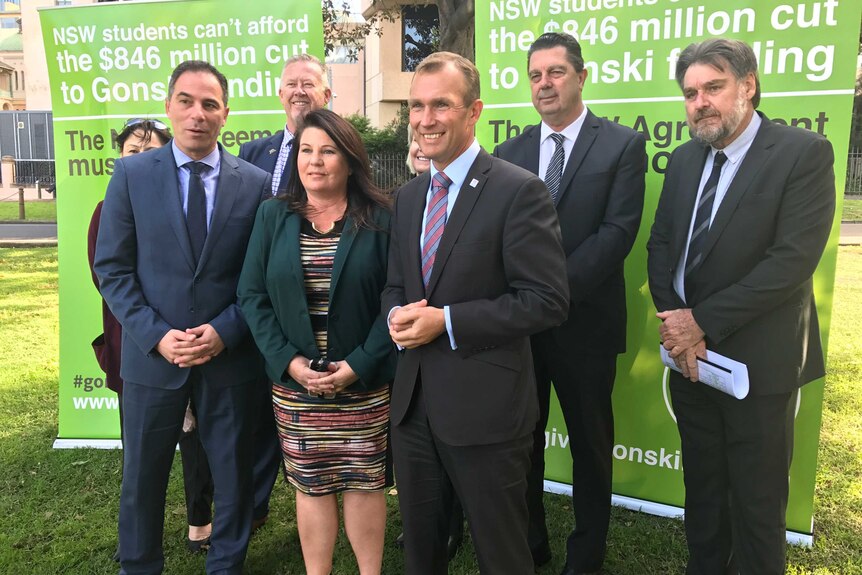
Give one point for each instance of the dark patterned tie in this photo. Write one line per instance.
(196, 210)
(435, 222)
(555, 167)
(702, 215)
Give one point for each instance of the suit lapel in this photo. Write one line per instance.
(689, 183)
(348, 235)
(229, 185)
(292, 228)
(467, 196)
(585, 140)
(756, 157)
(270, 154)
(169, 191)
(416, 196)
(530, 156)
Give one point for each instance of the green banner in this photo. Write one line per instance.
(807, 61)
(111, 62)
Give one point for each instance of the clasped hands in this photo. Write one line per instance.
(339, 376)
(683, 339)
(194, 346)
(416, 324)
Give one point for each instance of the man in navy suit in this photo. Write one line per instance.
(743, 218)
(303, 89)
(173, 235)
(597, 184)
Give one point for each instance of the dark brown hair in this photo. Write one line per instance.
(363, 195)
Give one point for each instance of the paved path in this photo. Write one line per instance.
(851, 235)
(28, 235)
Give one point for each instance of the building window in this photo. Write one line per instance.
(421, 33)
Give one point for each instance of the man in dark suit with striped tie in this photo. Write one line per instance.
(742, 221)
(475, 268)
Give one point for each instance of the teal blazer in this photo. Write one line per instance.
(272, 298)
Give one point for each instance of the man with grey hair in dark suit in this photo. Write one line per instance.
(743, 218)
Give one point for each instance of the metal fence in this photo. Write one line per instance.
(853, 184)
(389, 171)
(29, 172)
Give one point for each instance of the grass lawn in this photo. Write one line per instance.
(852, 209)
(34, 211)
(59, 506)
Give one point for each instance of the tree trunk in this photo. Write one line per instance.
(457, 27)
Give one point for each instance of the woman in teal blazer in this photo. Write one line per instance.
(310, 291)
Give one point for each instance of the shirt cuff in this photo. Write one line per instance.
(389, 315)
(448, 317)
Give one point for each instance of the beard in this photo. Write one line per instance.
(710, 134)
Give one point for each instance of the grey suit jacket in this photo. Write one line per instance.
(147, 273)
(753, 293)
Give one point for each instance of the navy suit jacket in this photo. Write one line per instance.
(263, 153)
(147, 273)
(753, 292)
(599, 205)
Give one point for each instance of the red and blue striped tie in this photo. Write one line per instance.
(435, 222)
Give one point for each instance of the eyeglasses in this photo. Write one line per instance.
(157, 124)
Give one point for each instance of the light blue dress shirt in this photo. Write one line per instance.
(210, 178)
(457, 173)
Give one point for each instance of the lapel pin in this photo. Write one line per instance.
(473, 182)
(271, 151)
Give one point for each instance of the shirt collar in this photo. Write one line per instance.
(457, 170)
(570, 132)
(213, 159)
(735, 151)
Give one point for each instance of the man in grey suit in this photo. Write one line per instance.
(594, 170)
(742, 221)
(173, 235)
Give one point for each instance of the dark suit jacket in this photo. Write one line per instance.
(273, 298)
(501, 269)
(752, 294)
(599, 206)
(147, 273)
(263, 153)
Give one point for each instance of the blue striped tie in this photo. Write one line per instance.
(555, 167)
